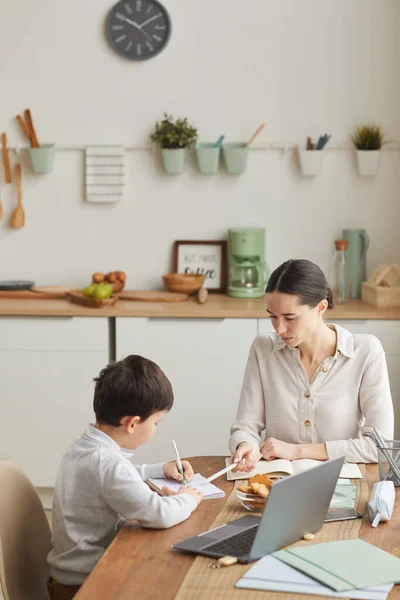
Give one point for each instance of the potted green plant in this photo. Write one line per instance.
(174, 137)
(367, 140)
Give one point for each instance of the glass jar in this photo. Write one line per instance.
(337, 280)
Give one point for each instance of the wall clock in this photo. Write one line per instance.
(138, 29)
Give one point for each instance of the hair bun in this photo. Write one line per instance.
(329, 298)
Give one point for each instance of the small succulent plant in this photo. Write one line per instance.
(174, 134)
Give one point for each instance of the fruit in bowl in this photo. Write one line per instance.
(100, 291)
(115, 278)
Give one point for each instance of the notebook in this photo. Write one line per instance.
(280, 467)
(344, 565)
(271, 574)
(343, 496)
(209, 490)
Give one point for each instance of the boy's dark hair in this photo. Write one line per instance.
(301, 278)
(135, 387)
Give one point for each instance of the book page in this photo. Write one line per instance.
(349, 470)
(303, 464)
(278, 467)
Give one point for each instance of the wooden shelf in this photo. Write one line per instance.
(218, 306)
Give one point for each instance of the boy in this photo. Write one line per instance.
(98, 488)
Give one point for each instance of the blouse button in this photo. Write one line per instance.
(324, 369)
(307, 394)
(307, 423)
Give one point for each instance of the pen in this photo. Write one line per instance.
(221, 472)
(178, 462)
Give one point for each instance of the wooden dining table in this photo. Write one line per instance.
(140, 564)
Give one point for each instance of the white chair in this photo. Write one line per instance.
(24, 538)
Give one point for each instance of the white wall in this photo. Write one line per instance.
(304, 66)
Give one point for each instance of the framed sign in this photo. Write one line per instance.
(203, 257)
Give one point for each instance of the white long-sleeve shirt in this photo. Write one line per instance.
(96, 491)
(348, 394)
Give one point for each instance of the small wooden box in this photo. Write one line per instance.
(380, 296)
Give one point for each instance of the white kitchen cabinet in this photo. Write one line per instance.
(47, 367)
(205, 361)
(388, 332)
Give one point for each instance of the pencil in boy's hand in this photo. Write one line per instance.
(179, 464)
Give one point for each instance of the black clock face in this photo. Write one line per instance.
(138, 29)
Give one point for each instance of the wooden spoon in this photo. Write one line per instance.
(1, 207)
(18, 217)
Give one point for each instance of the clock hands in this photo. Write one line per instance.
(148, 20)
(133, 24)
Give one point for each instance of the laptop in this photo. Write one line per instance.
(296, 505)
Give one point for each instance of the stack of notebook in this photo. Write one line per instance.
(345, 569)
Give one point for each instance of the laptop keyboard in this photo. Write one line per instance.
(237, 545)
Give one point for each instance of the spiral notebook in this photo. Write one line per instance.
(209, 490)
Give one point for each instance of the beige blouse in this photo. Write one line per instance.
(348, 394)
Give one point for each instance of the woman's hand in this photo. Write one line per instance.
(246, 456)
(273, 448)
(171, 471)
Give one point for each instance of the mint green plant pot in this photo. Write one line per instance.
(235, 157)
(174, 160)
(42, 159)
(207, 157)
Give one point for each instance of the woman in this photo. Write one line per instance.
(314, 387)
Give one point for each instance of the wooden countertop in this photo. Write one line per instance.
(218, 306)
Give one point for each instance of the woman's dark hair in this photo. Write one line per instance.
(301, 278)
(135, 387)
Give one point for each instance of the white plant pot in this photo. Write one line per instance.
(310, 162)
(368, 161)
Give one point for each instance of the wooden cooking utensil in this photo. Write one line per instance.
(255, 134)
(29, 122)
(24, 128)
(151, 296)
(18, 217)
(1, 207)
(6, 158)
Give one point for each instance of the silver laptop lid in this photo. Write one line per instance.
(296, 505)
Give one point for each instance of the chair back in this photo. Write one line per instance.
(24, 538)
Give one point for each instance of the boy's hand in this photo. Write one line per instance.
(171, 471)
(184, 490)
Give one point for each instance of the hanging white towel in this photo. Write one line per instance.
(105, 173)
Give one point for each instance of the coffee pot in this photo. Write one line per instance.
(248, 272)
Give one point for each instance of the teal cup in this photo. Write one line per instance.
(174, 160)
(207, 157)
(42, 159)
(235, 157)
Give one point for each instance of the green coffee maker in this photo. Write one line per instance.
(248, 272)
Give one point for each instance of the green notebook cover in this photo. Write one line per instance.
(344, 565)
(343, 496)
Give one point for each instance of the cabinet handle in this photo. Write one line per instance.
(186, 319)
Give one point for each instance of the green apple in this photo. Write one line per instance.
(102, 291)
(88, 290)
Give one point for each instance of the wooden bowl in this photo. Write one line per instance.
(185, 283)
(77, 297)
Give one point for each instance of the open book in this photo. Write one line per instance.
(280, 467)
(209, 490)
